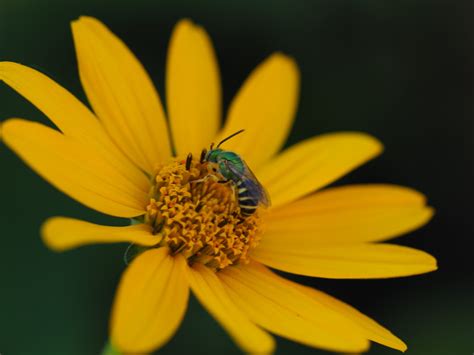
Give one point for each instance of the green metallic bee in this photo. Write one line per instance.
(250, 193)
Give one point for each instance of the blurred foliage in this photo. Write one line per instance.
(399, 69)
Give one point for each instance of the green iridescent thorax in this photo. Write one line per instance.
(224, 159)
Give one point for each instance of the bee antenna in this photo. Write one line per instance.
(231, 136)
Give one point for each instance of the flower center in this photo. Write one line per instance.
(199, 216)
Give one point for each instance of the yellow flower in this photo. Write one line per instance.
(121, 161)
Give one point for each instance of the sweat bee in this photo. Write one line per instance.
(250, 193)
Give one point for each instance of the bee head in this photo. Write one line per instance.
(211, 155)
(212, 168)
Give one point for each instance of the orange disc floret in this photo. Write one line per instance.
(200, 217)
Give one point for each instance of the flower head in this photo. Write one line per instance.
(200, 222)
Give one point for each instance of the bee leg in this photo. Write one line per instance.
(235, 193)
(223, 181)
(189, 159)
(202, 179)
(198, 180)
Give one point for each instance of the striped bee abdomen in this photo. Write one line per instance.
(248, 201)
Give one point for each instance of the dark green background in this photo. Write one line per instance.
(399, 69)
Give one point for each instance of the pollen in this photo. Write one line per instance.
(198, 216)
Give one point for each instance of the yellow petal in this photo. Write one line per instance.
(361, 261)
(69, 115)
(265, 107)
(368, 326)
(150, 302)
(121, 94)
(62, 233)
(286, 311)
(212, 295)
(74, 169)
(348, 214)
(314, 163)
(193, 91)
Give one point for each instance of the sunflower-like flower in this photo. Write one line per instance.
(126, 160)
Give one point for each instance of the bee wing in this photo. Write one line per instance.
(263, 194)
(250, 181)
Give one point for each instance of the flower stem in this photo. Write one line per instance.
(110, 350)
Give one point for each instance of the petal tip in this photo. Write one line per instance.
(396, 343)
(86, 21)
(431, 211)
(6, 67)
(188, 26)
(184, 24)
(373, 144)
(283, 59)
(85, 18)
(46, 232)
(287, 58)
(377, 144)
(6, 126)
(428, 213)
(430, 264)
